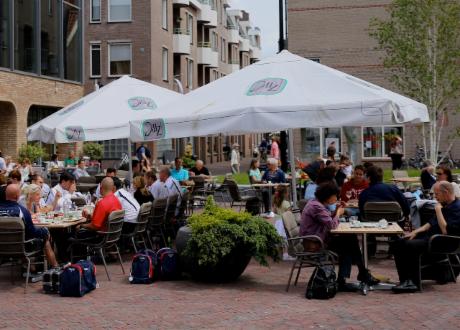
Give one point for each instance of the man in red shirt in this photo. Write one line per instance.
(104, 207)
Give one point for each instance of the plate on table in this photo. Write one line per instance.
(370, 225)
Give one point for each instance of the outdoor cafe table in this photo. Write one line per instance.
(345, 228)
(269, 185)
(60, 223)
(406, 181)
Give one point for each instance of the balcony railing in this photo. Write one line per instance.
(204, 44)
(234, 62)
(181, 31)
(211, 3)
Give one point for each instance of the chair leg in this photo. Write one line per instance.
(290, 276)
(134, 244)
(119, 259)
(298, 274)
(27, 274)
(105, 264)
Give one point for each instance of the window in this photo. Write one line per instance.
(95, 11)
(119, 10)
(214, 41)
(115, 149)
(72, 36)
(223, 47)
(164, 14)
(377, 140)
(25, 38)
(190, 27)
(164, 72)
(120, 59)
(190, 74)
(4, 34)
(95, 60)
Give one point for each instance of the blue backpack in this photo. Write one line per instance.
(77, 279)
(143, 267)
(167, 264)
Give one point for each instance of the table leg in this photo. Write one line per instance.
(269, 199)
(365, 250)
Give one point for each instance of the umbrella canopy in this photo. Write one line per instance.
(103, 114)
(281, 92)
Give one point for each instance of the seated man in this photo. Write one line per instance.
(66, 181)
(11, 208)
(104, 207)
(110, 172)
(80, 170)
(129, 204)
(199, 169)
(273, 173)
(166, 186)
(381, 192)
(178, 172)
(150, 178)
(407, 250)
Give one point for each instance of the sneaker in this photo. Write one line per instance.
(287, 257)
(368, 278)
(347, 287)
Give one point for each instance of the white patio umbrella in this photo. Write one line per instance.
(103, 114)
(282, 92)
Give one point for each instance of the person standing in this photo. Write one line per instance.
(396, 152)
(235, 158)
(275, 149)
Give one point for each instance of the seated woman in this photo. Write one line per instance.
(281, 201)
(445, 174)
(254, 173)
(319, 217)
(32, 200)
(353, 188)
(142, 194)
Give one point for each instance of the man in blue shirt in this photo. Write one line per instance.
(178, 172)
(273, 174)
(407, 251)
(381, 192)
(11, 208)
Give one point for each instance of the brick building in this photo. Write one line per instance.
(176, 44)
(336, 33)
(40, 64)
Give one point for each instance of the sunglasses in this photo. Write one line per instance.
(439, 173)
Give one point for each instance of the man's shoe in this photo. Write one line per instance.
(368, 278)
(405, 287)
(347, 287)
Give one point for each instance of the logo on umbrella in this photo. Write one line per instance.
(74, 133)
(141, 103)
(268, 86)
(153, 129)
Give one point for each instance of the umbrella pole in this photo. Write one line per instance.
(293, 173)
(130, 162)
(40, 160)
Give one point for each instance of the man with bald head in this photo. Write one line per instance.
(104, 207)
(199, 169)
(11, 208)
(408, 249)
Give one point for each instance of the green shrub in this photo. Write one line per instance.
(93, 150)
(217, 231)
(31, 151)
(188, 162)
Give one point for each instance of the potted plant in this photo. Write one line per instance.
(218, 244)
(32, 152)
(93, 150)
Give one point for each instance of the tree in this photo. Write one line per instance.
(421, 41)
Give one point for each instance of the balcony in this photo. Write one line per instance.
(233, 66)
(233, 34)
(181, 3)
(206, 55)
(181, 41)
(208, 13)
(255, 53)
(244, 44)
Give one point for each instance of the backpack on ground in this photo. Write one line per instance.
(143, 267)
(51, 280)
(77, 279)
(322, 283)
(167, 264)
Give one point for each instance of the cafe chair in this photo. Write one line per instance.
(140, 229)
(238, 196)
(199, 191)
(15, 248)
(156, 224)
(307, 250)
(108, 239)
(441, 259)
(170, 216)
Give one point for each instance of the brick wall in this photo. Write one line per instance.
(18, 92)
(337, 32)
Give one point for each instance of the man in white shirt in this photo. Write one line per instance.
(2, 164)
(166, 185)
(129, 204)
(80, 170)
(65, 182)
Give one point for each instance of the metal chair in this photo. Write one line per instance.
(13, 244)
(141, 225)
(445, 248)
(239, 197)
(297, 248)
(108, 239)
(155, 227)
(170, 215)
(375, 211)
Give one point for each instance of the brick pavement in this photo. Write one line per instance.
(257, 300)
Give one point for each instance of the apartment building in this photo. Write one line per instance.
(40, 64)
(336, 33)
(176, 44)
